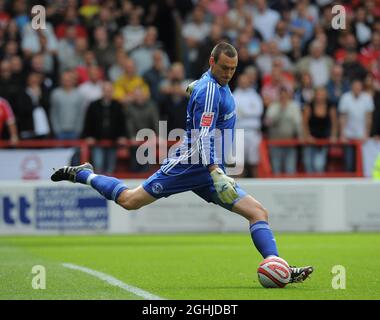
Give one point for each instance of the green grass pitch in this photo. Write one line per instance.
(191, 266)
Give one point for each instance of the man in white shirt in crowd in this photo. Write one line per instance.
(91, 90)
(265, 19)
(355, 108)
(249, 109)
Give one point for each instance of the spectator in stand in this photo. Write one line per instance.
(283, 37)
(253, 78)
(284, 121)
(71, 21)
(254, 40)
(238, 18)
(106, 19)
(118, 42)
(249, 109)
(362, 26)
(216, 35)
(12, 32)
(37, 64)
(319, 122)
(332, 34)
(133, 32)
(67, 108)
(103, 49)
(89, 9)
(218, 7)
(371, 53)
(50, 57)
(7, 117)
(9, 86)
(124, 13)
(31, 109)
(11, 49)
(92, 89)
(116, 70)
(174, 97)
(143, 55)
(4, 15)
(245, 60)
(347, 42)
(20, 13)
(355, 108)
(105, 120)
(304, 93)
(69, 60)
(194, 32)
(18, 70)
(352, 69)
(265, 19)
(125, 86)
(337, 85)
(296, 51)
(140, 113)
(155, 75)
(83, 69)
(272, 53)
(301, 22)
(374, 92)
(318, 64)
(272, 83)
(30, 39)
(66, 47)
(311, 11)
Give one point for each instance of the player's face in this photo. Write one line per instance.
(224, 69)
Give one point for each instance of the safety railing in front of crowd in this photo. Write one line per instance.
(334, 158)
(84, 147)
(334, 167)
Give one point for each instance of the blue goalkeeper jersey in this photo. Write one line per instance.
(209, 126)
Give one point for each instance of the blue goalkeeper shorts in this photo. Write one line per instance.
(185, 177)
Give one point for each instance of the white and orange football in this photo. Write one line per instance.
(273, 272)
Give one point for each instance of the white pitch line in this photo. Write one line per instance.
(114, 282)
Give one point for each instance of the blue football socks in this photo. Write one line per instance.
(263, 239)
(108, 187)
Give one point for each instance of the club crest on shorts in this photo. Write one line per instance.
(157, 188)
(207, 118)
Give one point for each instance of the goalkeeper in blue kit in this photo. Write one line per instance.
(196, 165)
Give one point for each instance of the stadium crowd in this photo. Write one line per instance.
(103, 69)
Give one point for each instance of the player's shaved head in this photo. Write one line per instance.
(223, 62)
(225, 48)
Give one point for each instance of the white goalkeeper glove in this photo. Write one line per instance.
(224, 186)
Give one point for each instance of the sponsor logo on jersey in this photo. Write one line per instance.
(207, 118)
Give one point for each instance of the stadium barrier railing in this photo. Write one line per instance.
(334, 165)
(264, 167)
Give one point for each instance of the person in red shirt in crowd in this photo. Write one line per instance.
(7, 117)
(369, 55)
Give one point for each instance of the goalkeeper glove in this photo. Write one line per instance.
(224, 186)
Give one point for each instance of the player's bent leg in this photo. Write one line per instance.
(133, 199)
(109, 187)
(251, 209)
(261, 233)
